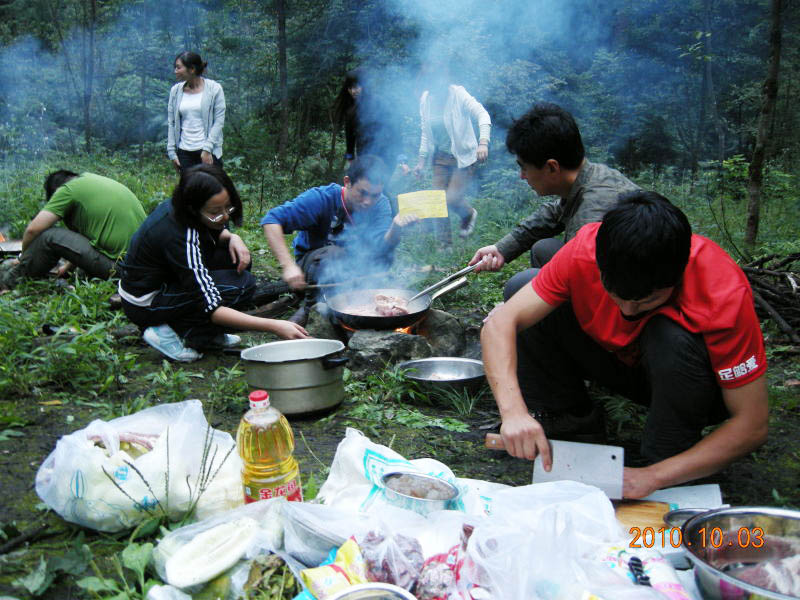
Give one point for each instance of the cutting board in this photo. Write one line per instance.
(641, 514)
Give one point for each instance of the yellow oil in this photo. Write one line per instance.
(266, 442)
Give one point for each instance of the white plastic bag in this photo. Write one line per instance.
(354, 482)
(75, 480)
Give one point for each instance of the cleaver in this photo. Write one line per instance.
(592, 464)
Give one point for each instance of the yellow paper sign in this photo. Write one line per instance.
(426, 204)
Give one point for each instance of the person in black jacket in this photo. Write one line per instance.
(185, 273)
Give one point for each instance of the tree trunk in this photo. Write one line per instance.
(144, 36)
(712, 95)
(283, 79)
(88, 74)
(768, 98)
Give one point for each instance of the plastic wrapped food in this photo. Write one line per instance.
(393, 559)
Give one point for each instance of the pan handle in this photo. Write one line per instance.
(444, 281)
(456, 285)
(331, 362)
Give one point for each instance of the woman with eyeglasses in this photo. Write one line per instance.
(184, 279)
(195, 115)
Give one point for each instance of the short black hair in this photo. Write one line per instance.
(196, 186)
(192, 60)
(55, 180)
(546, 131)
(642, 245)
(369, 167)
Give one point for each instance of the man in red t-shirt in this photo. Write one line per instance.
(640, 305)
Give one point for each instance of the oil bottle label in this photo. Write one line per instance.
(291, 489)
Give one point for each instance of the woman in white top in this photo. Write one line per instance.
(448, 140)
(196, 115)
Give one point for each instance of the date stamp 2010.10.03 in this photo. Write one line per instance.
(714, 537)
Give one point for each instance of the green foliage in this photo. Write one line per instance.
(74, 562)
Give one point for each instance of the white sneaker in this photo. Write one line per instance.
(227, 340)
(468, 224)
(164, 339)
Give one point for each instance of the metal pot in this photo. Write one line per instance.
(301, 376)
(719, 542)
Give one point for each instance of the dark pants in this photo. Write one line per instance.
(190, 158)
(56, 243)
(329, 264)
(184, 310)
(541, 253)
(674, 378)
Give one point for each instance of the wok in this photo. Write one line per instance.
(341, 305)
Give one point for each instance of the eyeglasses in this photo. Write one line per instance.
(217, 218)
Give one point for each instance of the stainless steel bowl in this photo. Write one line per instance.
(446, 373)
(719, 542)
(417, 485)
(373, 591)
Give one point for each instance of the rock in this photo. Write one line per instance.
(370, 350)
(444, 333)
(319, 324)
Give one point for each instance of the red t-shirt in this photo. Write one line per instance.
(713, 299)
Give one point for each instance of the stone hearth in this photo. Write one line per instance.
(439, 334)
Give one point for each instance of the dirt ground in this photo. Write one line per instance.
(768, 477)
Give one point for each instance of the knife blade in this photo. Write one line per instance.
(593, 464)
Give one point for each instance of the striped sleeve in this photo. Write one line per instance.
(205, 283)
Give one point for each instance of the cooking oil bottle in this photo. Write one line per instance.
(266, 442)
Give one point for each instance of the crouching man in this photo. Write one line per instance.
(642, 306)
(100, 217)
(344, 231)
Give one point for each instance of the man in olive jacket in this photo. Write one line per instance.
(550, 155)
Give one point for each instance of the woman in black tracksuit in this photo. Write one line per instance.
(185, 273)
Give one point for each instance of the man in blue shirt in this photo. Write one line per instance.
(342, 230)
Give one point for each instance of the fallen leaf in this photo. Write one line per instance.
(51, 403)
(791, 383)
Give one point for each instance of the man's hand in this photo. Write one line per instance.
(293, 275)
(404, 220)
(638, 483)
(240, 255)
(206, 157)
(177, 164)
(524, 437)
(489, 258)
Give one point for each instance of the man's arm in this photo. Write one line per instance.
(523, 436)
(40, 223)
(292, 273)
(743, 432)
(544, 223)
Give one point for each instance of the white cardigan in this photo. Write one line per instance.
(459, 110)
(212, 108)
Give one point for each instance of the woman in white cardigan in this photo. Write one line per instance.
(195, 114)
(448, 140)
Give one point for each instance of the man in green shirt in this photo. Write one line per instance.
(100, 216)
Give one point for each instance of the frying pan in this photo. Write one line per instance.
(340, 304)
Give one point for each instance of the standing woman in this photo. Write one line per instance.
(346, 112)
(448, 140)
(184, 279)
(196, 115)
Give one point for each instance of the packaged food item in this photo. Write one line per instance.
(266, 442)
(347, 569)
